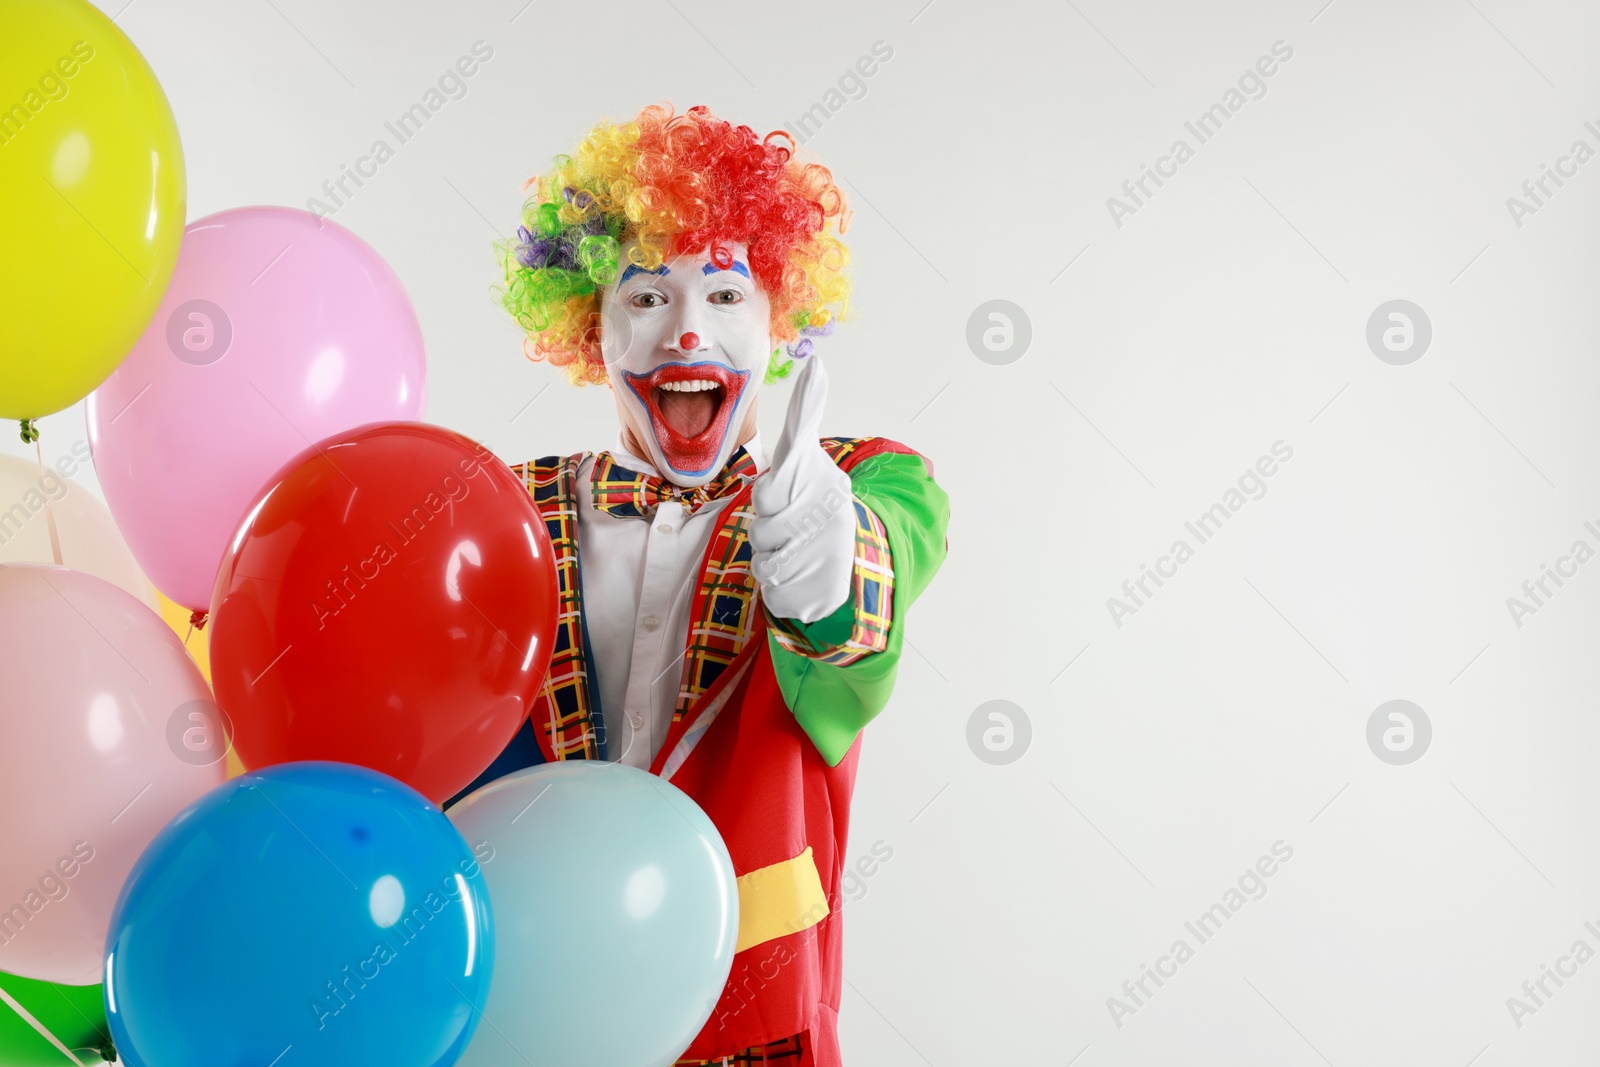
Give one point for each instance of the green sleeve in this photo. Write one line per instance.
(832, 703)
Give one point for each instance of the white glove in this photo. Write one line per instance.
(803, 536)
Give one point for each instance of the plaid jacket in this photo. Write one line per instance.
(735, 747)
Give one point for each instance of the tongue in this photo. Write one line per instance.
(689, 414)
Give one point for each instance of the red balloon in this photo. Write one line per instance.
(389, 600)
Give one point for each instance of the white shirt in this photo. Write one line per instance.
(639, 578)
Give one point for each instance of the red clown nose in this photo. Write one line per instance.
(689, 342)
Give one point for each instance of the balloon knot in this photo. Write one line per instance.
(108, 1051)
(30, 432)
(197, 619)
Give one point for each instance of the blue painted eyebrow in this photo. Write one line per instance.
(737, 268)
(634, 268)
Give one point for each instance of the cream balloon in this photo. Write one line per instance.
(107, 731)
(89, 539)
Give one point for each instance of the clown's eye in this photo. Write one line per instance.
(647, 300)
(726, 296)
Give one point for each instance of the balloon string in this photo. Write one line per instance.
(105, 1049)
(37, 1025)
(49, 508)
(189, 634)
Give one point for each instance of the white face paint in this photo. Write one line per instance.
(686, 348)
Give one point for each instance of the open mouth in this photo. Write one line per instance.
(690, 405)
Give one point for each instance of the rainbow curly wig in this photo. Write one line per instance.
(676, 184)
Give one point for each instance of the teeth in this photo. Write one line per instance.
(693, 386)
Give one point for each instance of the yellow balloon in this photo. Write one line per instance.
(92, 191)
(198, 643)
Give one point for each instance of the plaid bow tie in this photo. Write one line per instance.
(630, 494)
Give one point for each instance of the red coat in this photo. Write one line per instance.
(737, 750)
(777, 987)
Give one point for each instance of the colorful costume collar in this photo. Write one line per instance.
(626, 493)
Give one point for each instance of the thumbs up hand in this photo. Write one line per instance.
(803, 536)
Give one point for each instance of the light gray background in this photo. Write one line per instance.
(1167, 354)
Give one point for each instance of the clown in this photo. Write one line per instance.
(727, 622)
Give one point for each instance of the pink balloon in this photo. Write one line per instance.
(107, 731)
(279, 329)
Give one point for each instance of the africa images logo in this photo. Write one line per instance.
(451, 85)
(1252, 85)
(51, 85)
(1251, 885)
(54, 886)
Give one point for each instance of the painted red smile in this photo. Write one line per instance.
(691, 406)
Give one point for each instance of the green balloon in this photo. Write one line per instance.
(75, 1014)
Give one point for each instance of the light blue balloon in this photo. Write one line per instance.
(616, 916)
(310, 914)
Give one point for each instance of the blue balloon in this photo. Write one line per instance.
(616, 912)
(305, 914)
